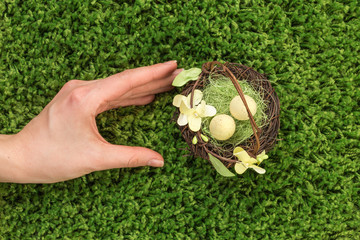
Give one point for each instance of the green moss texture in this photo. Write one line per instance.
(310, 49)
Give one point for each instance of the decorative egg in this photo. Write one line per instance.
(238, 110)
(222, 127)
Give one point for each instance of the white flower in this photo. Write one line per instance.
(247, 161)
(192, 116)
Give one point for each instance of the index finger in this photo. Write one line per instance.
(111, 88)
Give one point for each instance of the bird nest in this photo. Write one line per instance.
(263, 139)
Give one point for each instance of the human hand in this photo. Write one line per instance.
(63, 141)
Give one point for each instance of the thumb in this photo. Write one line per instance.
(118, 156)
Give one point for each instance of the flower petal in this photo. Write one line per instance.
(240, 168)
(200, 109)
(194, 123)
(182, 120)
(242, 155)
(252, 161)
(237, 150)
(184, 108)
(210, 111)
(262, 156)
(258, 169)
(177, 100)
(197, 97)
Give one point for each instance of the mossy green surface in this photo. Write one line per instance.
(309, 49)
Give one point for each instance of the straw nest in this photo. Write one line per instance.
(264, 138)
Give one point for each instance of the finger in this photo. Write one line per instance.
(135, 100)
(154, 86)
(116, 156)
(113, 87)
(139, 101)
(155, 91)
(127, 102)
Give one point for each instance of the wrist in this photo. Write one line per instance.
(11, 168)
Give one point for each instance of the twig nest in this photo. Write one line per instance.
(238, 109)
(212, 139)
(222, 127)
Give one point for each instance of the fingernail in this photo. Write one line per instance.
(177, 71)
(170, 62)
(155, 163)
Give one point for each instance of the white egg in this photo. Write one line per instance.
(238, 110)
(222, 127)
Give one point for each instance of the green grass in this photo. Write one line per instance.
(310, 51)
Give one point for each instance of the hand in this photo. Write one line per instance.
(63, 141)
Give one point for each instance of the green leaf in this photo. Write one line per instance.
(219, 167)
(185, 76)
